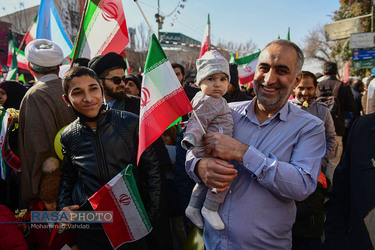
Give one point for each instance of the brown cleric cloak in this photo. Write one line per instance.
(42, 114)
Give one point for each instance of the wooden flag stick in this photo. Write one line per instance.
(79, 32)
(143, 14)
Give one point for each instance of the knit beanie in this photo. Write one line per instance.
(135, 79)
(50, 184)
(212, 62)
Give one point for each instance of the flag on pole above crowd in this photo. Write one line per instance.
(163, 100)
(12, 50)
(206, 42)
(120, 195)
(288, 35)
(103, 29)
(346, 75)
(246, 67)
(12, 59)
(49, 26)
(31, 33)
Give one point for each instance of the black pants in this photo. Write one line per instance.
(96, 239)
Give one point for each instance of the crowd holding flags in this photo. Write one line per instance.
(103, 29)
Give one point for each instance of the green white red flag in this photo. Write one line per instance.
(31, 33)
(163, 100)
(246, 67)
(12, 60)
(104, 29)
(206, 43)
(120, 195)
(21, 61)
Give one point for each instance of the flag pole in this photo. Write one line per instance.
(143, 14)
(79, 31)
(199, 122)
(140, 9)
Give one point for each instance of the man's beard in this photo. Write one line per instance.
(121, 95)
(266, 101)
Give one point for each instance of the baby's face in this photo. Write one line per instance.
(215, 85)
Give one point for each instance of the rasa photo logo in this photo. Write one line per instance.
(71, 217)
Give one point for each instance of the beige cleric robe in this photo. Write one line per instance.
(42, 114)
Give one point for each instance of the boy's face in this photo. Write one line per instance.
(215, 85)
(85, 95)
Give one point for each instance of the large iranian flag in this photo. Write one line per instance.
(206, 43)
(120, 195)
(246, 67)
(163, 100)
(104, 29)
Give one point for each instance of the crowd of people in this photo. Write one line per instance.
(285, 164)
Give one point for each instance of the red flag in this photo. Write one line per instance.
(206, 43)
(345, 77)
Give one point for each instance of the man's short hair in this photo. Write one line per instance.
(81, 61)
(44, 70)
(330, 68)
(300, 56)
(76, 71)
(106, 71)
(357, 84)
(309, 74)
(177, 65)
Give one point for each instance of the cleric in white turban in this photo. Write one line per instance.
(44, 53)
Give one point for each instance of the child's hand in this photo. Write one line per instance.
(67, 210)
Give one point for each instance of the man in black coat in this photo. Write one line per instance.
(350, 210)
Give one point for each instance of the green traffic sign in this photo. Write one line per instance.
(364, 64)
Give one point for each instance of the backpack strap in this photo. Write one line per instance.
(335, 91)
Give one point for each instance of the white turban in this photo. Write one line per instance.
(43, 52)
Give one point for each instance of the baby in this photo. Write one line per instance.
(215, 116)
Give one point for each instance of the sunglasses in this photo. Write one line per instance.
(116, 80)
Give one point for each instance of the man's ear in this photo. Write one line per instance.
(67, 101)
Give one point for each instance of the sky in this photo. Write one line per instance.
(235, 20)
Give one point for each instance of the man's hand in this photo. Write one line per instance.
(216, 173)
(224, 147)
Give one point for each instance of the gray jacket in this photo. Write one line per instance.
(321, 111)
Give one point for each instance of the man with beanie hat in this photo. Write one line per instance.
(214, 114)
(272, 159)
(234, 94)
(132, 85)
(42, 114)
(110, 68)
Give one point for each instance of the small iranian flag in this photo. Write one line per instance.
(206, 43)
(163, 100)
(120, 195)
(104, 29)
(12, 49)
(246, 67)
(31, 33)
(12, 60)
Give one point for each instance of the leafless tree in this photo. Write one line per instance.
(143, 37)
(316, 46)
(244, 48)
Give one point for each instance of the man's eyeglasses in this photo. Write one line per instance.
(116, 80)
